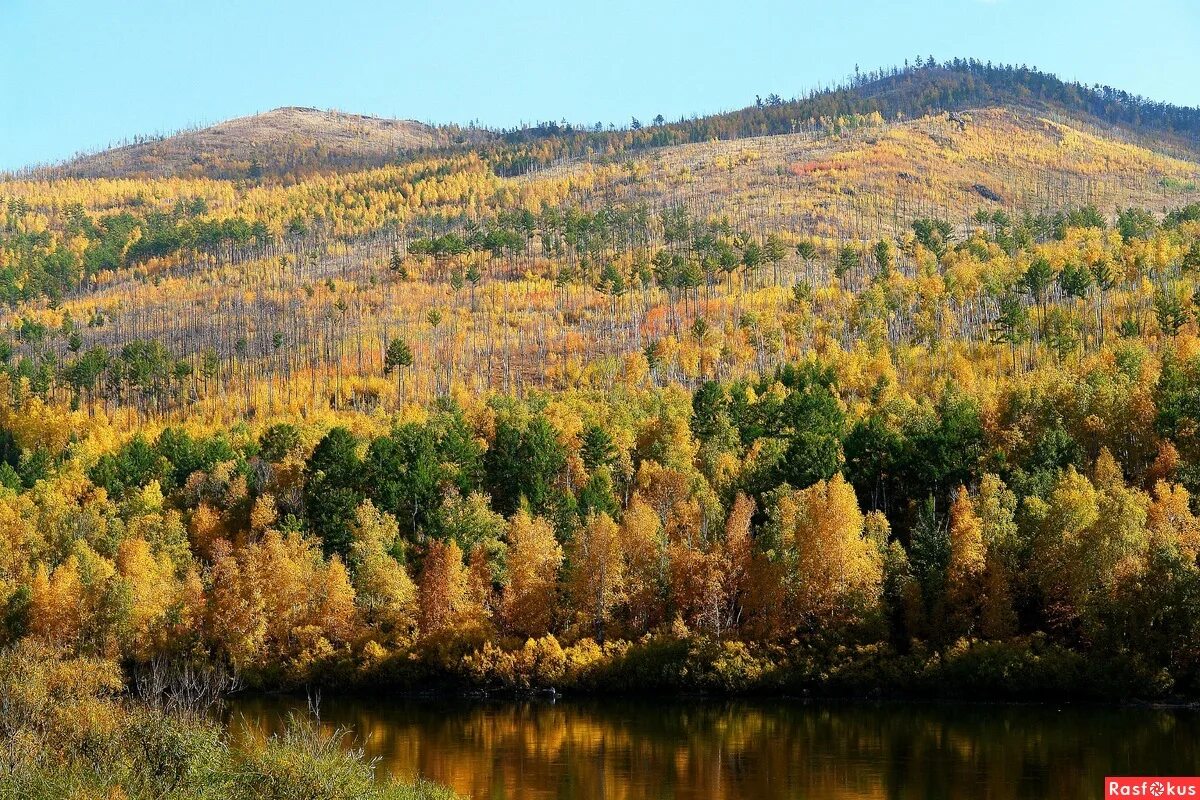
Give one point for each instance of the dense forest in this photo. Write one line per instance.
(893, 399)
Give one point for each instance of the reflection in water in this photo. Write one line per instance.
(660, 749)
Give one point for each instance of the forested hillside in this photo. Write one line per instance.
(909, 92)
(902, 393)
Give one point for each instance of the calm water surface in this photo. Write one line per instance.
(762, 750)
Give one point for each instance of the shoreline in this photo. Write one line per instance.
(552, 697)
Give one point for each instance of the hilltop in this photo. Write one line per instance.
(297, 141)
(291, 140)
(892, 95)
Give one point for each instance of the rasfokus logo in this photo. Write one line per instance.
(1151, 787)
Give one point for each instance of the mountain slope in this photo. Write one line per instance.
(283, 141)
(337, 266)
(897, 94)
(299, 141)
(873, 178)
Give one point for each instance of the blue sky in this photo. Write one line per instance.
(81, 75)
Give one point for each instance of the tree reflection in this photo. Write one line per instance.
(650, 749)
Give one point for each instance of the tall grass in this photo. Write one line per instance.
(68, 730)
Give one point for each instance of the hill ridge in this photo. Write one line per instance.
(298, 139)
(284, 140)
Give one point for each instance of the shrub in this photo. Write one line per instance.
(67, 729)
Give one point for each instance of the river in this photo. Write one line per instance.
(647, 749)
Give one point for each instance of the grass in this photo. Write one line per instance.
(68, 730)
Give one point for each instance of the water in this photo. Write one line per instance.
(650, 748)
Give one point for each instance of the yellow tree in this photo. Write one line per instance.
(1171, 521)
(1090, 535)
(996, 508)
(263, 513)
(102, 620)
(644, 548)
(283, 569)
(534, 559)
(20, 539)
(188, 611)
(386, 597)
(237, 620)
(697, 582)
(765, 613)
(385, 594)
(205, 529)
(965, 567)
(55, 603)
(335, 607)
(480, 584)
(835, 571)
(443, 588)
(372, 529)
(153, 592)
(1121, 543)
(738, 551)
(1066, 521)
(597, 582)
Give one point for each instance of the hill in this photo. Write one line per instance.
(298, 141)
(897, 385)
(197, 263)
(873, 177)
(896, 94)
(285, 141)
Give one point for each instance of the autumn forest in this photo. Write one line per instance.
(894, 387)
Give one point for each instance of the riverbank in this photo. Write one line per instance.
(1028, 669)
(70, 730)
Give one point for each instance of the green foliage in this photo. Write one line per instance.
(406, 471)
(1136, 223)
(277, 441)
(399, 354)
(333, 475)
(935, 234)
(596, 448)
(1075, 280)
(524, 464)
(929, 554)
(187, 455)
(133, 466)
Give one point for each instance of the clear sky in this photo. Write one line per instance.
(81, 75)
